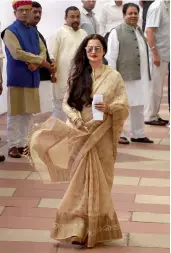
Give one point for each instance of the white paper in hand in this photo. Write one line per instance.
(97, 115)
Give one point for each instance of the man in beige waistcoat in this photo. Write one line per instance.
(128, 54)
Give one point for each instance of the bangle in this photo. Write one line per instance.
(76, 120)
(152, 47)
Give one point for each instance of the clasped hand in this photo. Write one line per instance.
(32, 67)
(51, 67)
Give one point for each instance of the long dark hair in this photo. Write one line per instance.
(80, 80)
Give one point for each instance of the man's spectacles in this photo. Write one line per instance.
(95, 49)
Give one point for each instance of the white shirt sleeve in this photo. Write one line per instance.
(53, 46)
(153, 16)
(113, 49)
(102, 21)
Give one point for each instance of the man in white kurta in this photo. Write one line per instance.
(63, 46)
(45, 88)
(158, 37)
(110, 16)
(128, 40)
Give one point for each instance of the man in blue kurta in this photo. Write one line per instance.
(25, 54)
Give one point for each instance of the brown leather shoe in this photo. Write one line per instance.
(14, 153)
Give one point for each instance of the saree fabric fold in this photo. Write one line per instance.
(62, 153)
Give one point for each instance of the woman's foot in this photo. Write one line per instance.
(76, 240)
(123, 140)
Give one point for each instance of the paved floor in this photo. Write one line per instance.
(140, 194)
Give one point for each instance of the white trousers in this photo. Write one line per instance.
(136, 120)
(155, 91)
(45, 93)
(18, 128)
(57, 109)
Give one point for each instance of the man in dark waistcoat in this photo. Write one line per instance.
(46, 78)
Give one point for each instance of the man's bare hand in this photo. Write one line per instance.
(45, 64)
(53, 67)
(156, 60)
(53, 78)
(32, 67)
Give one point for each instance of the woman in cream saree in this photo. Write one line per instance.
(84, 154)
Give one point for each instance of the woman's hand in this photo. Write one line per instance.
(102, 107)
(79, 123)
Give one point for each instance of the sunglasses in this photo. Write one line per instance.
(96, 49)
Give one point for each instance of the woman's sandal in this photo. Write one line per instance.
(123, 140)
(76, 240)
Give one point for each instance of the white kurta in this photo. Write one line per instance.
(111, 16)
(63, 46)
(45, 93)
(136, 89)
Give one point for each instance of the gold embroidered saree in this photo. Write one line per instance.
(61, 152)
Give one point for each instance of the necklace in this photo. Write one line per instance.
(97, 73)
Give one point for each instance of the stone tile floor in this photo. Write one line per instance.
(140, 194)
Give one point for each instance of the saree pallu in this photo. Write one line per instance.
(60, 152)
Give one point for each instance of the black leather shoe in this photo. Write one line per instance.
(142, 140)
(14, 153)
(156, 123)
(2, 158)
(163, 120)
(23, 150)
